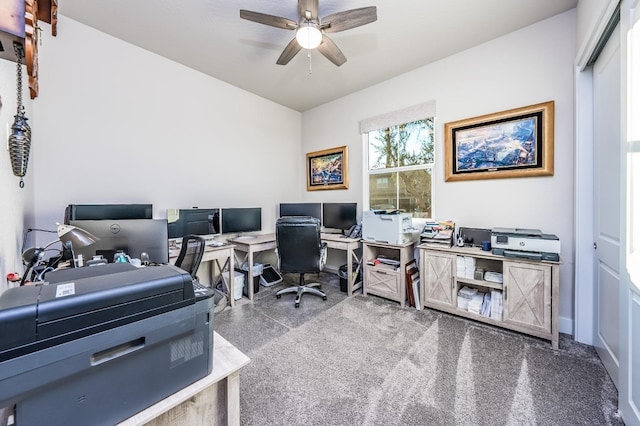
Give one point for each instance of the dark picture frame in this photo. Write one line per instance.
(327, 169)
(513, 143)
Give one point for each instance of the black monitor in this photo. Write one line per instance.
(134, 236)
(238, 220)
(339, 215)
(181, 222)
(107, 212)
(301, 209)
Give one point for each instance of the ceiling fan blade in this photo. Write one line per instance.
(329, 49)
(289, 52)
(311, 6)
(349, 19)
(263, 18)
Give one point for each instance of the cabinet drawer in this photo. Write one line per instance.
(383, 283)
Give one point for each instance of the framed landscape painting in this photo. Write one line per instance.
(512, 143)
(327, 169)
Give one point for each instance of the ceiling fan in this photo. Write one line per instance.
(311, 31)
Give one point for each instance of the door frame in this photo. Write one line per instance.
(584, 289)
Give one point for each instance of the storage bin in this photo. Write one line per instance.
(344, 278)
(238, 282)
(256, 281)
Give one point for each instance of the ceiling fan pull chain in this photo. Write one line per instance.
(309, 56)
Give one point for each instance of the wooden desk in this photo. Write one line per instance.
(193, 404)
(216, 254)
(350, 245)
(250, 246)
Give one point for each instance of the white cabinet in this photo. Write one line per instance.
(529, 289)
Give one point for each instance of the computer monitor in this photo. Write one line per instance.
(133, 236)
(339, 215)
(196, 221)
(238, 220)
(301, 209)
(107, 212)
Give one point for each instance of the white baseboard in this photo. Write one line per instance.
(565, 325)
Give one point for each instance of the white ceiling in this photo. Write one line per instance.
(209, 36)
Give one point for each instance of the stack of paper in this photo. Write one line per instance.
(465, 294)
(495, 277)
(496, 305)
(469, 266)
(438, 234)
(460, 267)
(465, 266)
(486, 305)
(475, 304)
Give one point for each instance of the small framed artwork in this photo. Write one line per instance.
(327, 169)
(512, 143)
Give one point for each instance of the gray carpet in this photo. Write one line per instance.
(366, 361)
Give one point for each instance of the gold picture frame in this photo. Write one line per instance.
(327, 169)
(513, 143)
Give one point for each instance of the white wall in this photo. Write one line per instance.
(529, 66)
(119, 124)
(15, 201)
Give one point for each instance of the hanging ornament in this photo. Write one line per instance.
(20, 138)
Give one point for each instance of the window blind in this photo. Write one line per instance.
(395, 118)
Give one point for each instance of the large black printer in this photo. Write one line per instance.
(98, 344)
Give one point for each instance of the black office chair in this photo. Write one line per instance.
(191, 253)
(300, 250)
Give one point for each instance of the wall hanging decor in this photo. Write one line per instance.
(513, 143)
(20, 138)
(327, 169)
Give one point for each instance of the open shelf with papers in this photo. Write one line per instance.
(384, 269)
(513, 293)
(480, 283)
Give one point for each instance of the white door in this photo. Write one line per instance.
(629, 386)
(606, 126)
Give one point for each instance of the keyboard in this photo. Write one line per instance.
(214, 243)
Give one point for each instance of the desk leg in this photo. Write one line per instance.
(250, 275)
(233, 399)
(232, 285)
(350, 277)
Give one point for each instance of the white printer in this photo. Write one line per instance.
(388, 228)
(526, 243)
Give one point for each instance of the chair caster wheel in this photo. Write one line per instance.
(278, 296)
(324, 298)
(297, 305)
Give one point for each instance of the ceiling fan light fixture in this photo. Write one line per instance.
(309, 36)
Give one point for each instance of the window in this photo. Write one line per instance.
(400, 166)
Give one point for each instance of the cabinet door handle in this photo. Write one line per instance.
(505, 293)
(453, 282)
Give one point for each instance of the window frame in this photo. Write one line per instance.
(368, 172)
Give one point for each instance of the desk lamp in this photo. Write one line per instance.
(69, 236)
